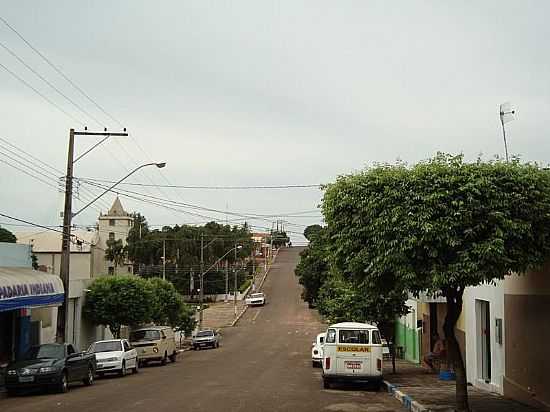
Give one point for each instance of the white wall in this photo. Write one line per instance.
(495, 296)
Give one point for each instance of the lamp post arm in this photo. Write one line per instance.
(218, 261)
(111, 187)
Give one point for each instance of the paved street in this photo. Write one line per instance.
(263, 365)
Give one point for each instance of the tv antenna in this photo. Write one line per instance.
(507, 114)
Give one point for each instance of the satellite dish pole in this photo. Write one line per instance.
(506, 115)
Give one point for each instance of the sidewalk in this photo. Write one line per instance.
(419, 390)
(220, 314)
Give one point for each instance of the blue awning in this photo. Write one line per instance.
(26, 288)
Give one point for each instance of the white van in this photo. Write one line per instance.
(352, 353)
(154, 343)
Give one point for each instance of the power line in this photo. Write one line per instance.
(49, 83)
(50, 229)
(53, 66)
(295, 186)
(41, 95)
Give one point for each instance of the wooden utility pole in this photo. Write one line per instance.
(201, 293)
(64, 272)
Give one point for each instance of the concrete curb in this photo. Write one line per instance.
(408, 403)
(239, 316)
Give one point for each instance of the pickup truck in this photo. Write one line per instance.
(50, 366)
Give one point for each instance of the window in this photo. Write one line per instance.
(129, 269)
(112, 222)
(331, 336)
(356, 336)
(144, 335)
(107, 346)
(111, 235)
(321, 340)
(70, 350)
(111, 270)
(126, 346)
(376, 340)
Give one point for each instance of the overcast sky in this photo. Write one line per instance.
(265, 93)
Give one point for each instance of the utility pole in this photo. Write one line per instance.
(201, 293)
(253, 252)
(163, 259)
(64, 272)
(235, 290)
(62, 311)
(226, 280)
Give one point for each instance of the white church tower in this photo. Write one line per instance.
(115, 225)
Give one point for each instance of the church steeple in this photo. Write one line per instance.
(117, 209)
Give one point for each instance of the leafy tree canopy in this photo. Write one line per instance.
(7, 236)
(440, 225)
(114, 301)
(311, 231)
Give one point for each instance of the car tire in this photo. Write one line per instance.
(12, 392)
(376, 386)
(89, 380)
(313, 364)
(122, 371)
(326, 384)
(164, 359)
(173, 357)
(136, 367)
(63, 385)
(217, 344)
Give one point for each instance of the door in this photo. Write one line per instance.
(130, 355)
(483, 340)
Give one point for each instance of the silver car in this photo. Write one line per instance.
(206, 338)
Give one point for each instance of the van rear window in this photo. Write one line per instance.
(356, 336)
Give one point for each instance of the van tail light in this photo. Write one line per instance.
(379, 364)
(327, 363)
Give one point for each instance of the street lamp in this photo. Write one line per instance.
(237, 247)
(159, 165)
(64, 272)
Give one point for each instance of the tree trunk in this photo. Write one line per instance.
(454, 308)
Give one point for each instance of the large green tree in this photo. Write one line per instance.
(170, 308)
(313, 269)
(114, 301)
(440, 226)
(7, 236)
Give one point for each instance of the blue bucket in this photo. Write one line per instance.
(447, 376)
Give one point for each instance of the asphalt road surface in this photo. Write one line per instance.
(263, 364)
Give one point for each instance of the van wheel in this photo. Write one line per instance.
(136, 368)
(164, 360)
(173, 357)
(376, 386)
(326, 384)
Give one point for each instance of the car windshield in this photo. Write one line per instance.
(140, 335)
(111, 346)
(357, 336)
(45, 352)
(257, 295)
(204, 333)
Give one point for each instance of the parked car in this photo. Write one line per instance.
(50, 366)
(114, 356)
(317, 350)
(352, 352)
(255, 299)
(206, 338)
(154, 344)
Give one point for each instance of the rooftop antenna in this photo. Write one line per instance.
(506, 115)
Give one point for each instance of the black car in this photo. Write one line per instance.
(50, 366)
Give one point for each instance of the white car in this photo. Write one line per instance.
(255, 299)
(317, 350)
(114, 356)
